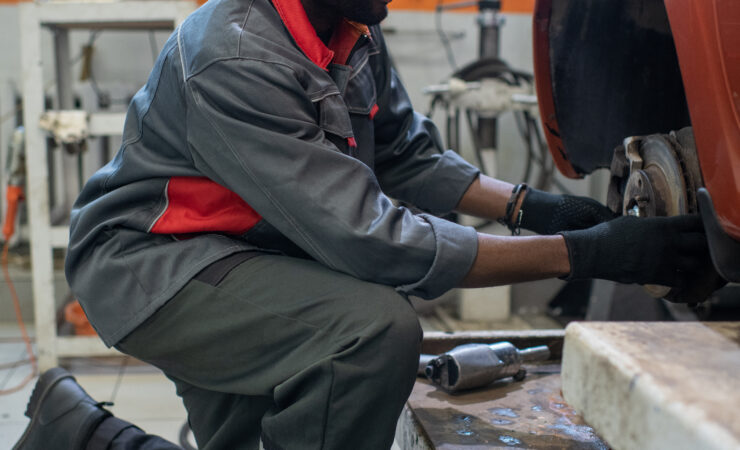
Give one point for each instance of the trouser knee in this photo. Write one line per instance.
(400, 338)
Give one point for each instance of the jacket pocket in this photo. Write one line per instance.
(335, 120)
(334, 116)
(360, 95)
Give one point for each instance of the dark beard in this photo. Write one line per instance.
(362, 11)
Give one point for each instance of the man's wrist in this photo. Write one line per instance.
(518, 213)
(512, 217)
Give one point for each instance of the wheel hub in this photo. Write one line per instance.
(655, 176)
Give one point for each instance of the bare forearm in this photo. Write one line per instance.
(505, 260)
(486, 198)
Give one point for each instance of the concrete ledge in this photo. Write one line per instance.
(656, 385)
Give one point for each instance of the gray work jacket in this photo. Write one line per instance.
(249, 134)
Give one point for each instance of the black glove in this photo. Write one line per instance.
(657, 250)
(546, 213)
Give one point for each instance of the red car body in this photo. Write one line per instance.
(609, 69)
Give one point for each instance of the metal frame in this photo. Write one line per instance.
(7, 105)
(61, 17)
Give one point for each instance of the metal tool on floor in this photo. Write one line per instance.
(475, 365)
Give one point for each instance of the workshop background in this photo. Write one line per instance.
(120, 61)
(427, 46)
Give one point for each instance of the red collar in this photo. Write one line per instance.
(340, 45)
(344, 39)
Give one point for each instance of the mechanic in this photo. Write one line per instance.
(242, 241)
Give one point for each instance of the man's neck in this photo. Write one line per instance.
(323, 18)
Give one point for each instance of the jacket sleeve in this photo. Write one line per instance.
(410, 162)
(252, 129)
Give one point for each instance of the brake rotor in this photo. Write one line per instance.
(655, 176)
(656, 189)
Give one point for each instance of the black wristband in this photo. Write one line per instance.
(506, 220)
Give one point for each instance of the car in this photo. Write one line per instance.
(650, 90)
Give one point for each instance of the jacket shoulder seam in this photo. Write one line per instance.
(248, 58)
(244, 25)
(237, 58)
(133, 139)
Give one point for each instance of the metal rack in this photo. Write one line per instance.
(61, 17)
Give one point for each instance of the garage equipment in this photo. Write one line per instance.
(475, 365)
(505, 414)
(62, 18)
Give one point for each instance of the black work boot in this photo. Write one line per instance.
(62, 415)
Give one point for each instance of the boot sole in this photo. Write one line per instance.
(45, 383)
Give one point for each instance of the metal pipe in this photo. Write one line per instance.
(489, 22)
(60, 165)
(531, 354)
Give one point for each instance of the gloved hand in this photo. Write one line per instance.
(546, 213)
(657, 250)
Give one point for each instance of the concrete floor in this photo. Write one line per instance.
(141, 394)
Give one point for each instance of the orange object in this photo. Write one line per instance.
(543, 81)
(707, 40)
(507, 6)
(13, 195)
(74, 314)
(21, 325)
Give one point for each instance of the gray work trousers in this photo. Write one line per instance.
(287, 350)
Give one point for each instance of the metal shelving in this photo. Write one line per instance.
(61, 17)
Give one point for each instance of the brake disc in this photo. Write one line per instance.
(658, 175)
(658, 187)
